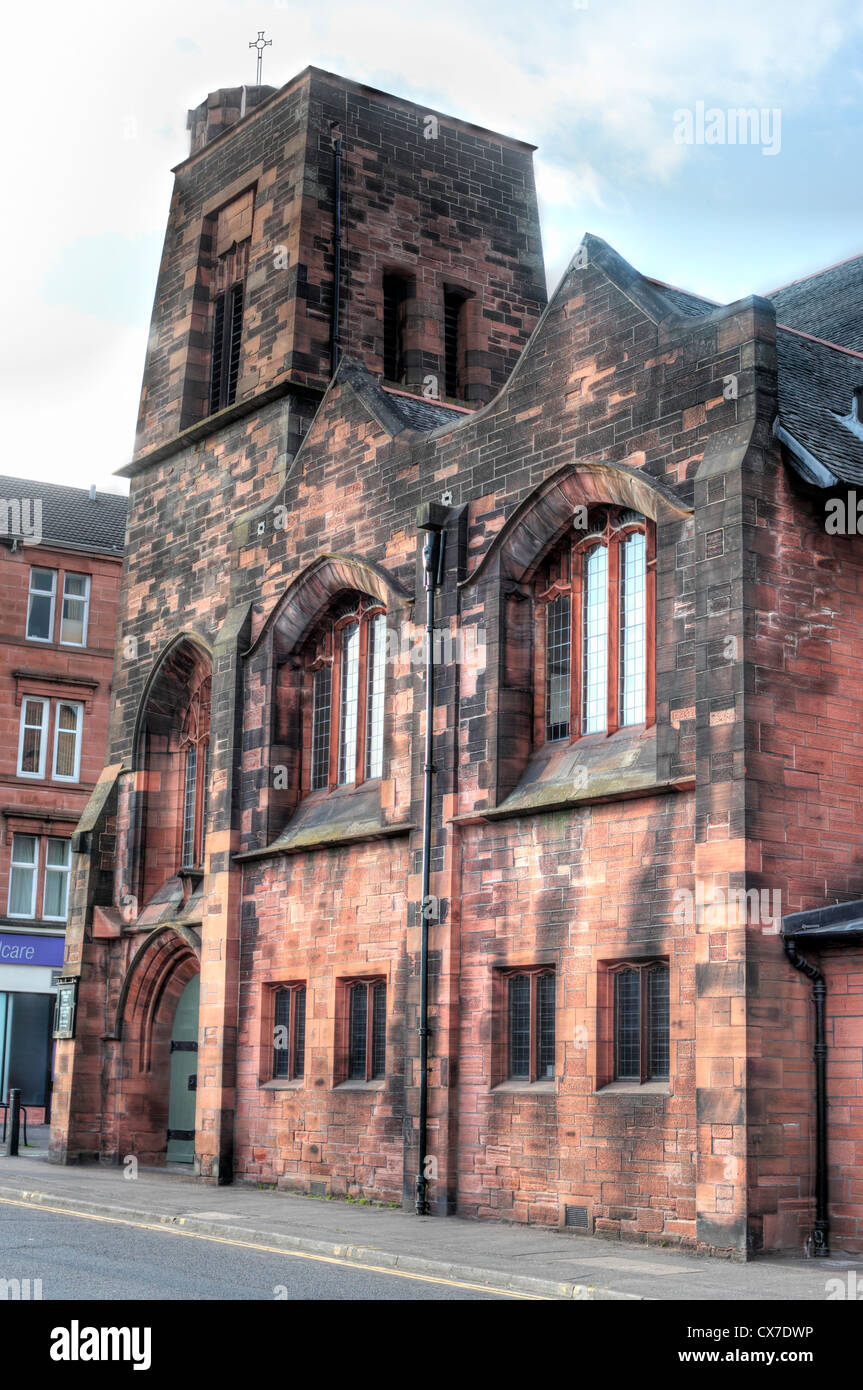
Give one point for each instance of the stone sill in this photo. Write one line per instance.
(525, 1088)
(539, 807)
(282, 1085)
(324, 840)
(634, 1088)
(361, 1085)
(28, 925)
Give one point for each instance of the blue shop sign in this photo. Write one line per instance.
(31, 950)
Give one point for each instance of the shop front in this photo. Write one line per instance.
(29, 965)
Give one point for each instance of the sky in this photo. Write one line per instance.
(614, 93)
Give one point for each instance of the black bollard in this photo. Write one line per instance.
(14, 1121)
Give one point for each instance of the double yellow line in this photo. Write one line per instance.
(169, 1229)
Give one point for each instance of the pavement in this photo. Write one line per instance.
(531, 1260)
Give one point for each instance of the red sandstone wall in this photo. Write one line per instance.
(578, 891)
(805, 732)
(321, 918)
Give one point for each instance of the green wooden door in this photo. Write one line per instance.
(184, 1075)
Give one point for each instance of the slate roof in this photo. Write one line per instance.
(420, 414)
(68, 515)
(684, 302)
(397, 410)
(828, 305)
(816, 387)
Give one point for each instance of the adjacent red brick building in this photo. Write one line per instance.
(61, 552)
(646, 707)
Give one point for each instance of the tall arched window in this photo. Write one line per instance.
(594, 647)
(345, 695)
(195, 756)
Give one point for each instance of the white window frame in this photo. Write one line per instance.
(31, 915)
(79, 729)
(42, 593)
(56, 869)
(43, 740)
(78, 598)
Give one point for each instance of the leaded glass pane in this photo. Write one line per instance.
(357, 1032)
(379, 1029)
(321, 729)
(349, 703)
(189, 804)
(376, 682)
(594, 640)
(633, 629)
(557, 667)
(519, 1026)
(545, 1025)
(299, 1031)
(282, 1035)
(627, 1025)
(658, 1020)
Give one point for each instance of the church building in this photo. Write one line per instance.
(554, 917)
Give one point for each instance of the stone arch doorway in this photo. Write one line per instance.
(157, 1008)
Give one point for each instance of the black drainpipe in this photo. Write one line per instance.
(337, 250)
(821, 1232)
(431, 519)
(841, 924)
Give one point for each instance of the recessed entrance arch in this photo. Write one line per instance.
(158, 1006)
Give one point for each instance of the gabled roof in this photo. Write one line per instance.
(69, 517)
(828, 305)
(397, 410)
(654, 297)
(819, 352)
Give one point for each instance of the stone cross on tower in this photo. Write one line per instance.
(260, 43)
